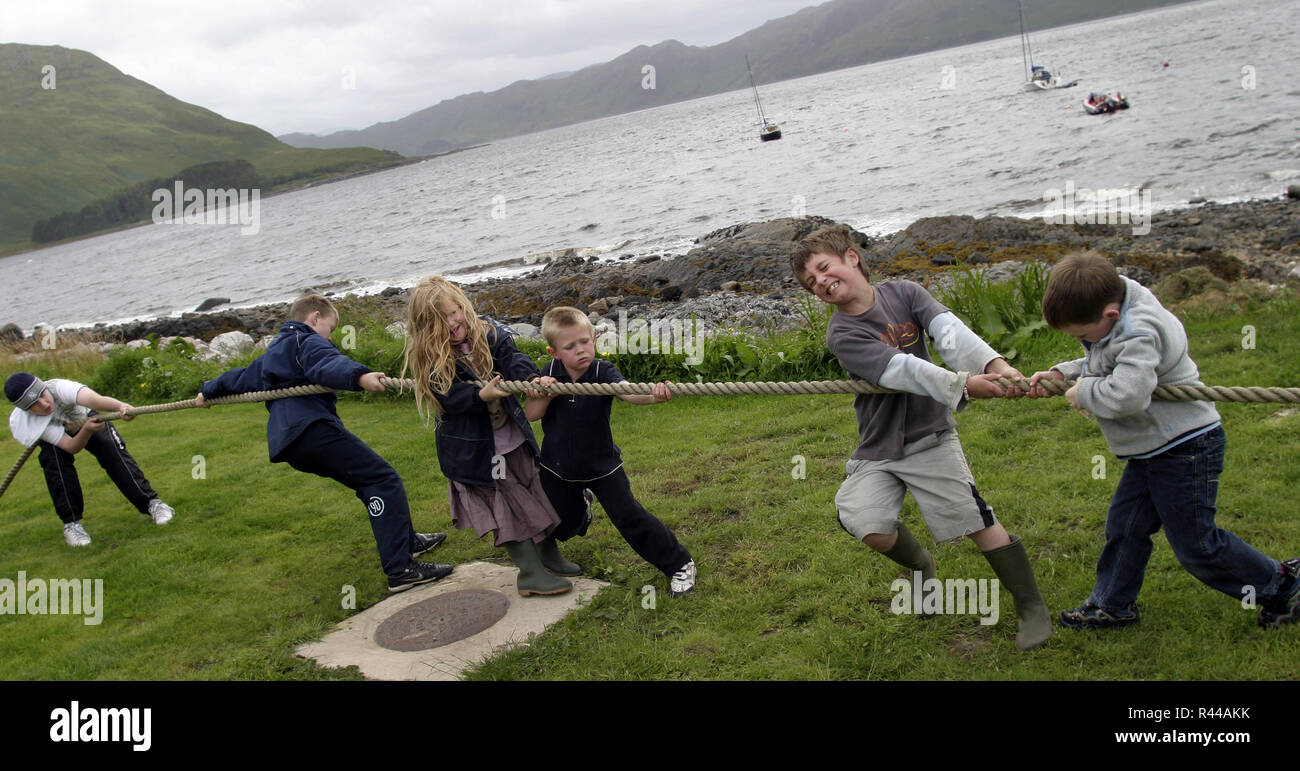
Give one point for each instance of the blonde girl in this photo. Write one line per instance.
(486, 447)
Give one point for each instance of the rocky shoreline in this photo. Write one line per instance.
(739, 276)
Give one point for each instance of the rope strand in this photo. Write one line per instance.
(1183, 393)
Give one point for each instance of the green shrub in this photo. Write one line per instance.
(738, 356)
(149, 375)
(1007, 315)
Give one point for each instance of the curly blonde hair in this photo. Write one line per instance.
(429, 356)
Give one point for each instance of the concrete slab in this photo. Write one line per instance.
(354, 642)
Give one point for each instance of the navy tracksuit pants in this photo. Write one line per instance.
(642, 530)
(109, 449)
(327, 449)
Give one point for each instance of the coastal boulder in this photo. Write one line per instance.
(1292, 236)
(786, 230)
(934, 236)
(754, 254)
(1179, 286)
(11, 333)
(210, 303)
(670, 293)
(228, 345)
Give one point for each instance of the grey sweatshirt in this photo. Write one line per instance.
(1146, 348)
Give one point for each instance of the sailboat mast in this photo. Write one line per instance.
(1026, 53)
(762, 121)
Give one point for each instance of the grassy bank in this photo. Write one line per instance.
(259, 557)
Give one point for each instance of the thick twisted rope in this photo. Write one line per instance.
(13, 472)
(1181, 393)
(1245, 394)
(252, 396)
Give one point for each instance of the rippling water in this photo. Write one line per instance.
(876, 146)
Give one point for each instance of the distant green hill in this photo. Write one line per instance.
(96, 131)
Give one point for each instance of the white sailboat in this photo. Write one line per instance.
(1037, 78)
(767, 129)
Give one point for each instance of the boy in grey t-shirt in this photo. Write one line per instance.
(908, 441)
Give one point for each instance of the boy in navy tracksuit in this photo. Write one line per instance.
(579, 451)
(307, 433)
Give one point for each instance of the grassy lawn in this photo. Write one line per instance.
(258, 557)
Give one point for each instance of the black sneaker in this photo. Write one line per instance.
(418, 573)
(1286, 608)
(426, 541)
(1090, 616)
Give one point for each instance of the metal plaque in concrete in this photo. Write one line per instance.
(441, 620)
(357, 641)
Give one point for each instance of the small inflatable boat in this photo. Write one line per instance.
(1097, 104)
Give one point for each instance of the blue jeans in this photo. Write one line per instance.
(1177, 489)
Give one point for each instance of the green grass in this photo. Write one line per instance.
(258, 555)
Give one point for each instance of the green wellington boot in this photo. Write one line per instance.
(554, 561)
(533, 578)
(909, 553)
(1012, 567)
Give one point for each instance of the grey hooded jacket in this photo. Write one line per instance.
(1146, 348)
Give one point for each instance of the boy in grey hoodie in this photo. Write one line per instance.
(1174, 449)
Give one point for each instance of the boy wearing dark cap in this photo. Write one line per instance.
(60, 415)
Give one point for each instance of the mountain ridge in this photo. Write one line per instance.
(812, 40)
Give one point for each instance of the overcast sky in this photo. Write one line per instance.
(286, 65)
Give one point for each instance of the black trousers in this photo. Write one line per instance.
(327, 449)
(647, 536)
(109, 449)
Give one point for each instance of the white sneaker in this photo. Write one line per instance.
(161, 512)
(683, 580)
(75, 534)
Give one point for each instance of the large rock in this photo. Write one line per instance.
(754, 254)
(228, 345)
(935, 236)
(1179, 286)
(1292, 236)
(210, 303)
(11, 333)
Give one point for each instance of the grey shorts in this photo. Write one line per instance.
(934, 469)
